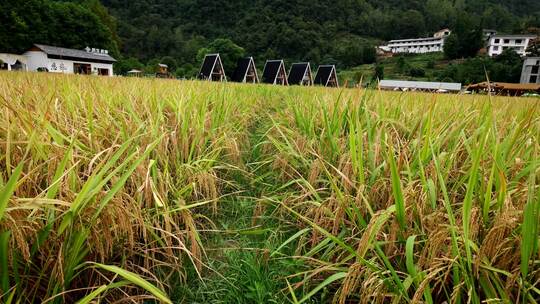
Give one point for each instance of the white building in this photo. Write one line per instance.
(531, 70)
(13, 62)
(498, 43)
(419, 45)
(61, 60)
(424, 86)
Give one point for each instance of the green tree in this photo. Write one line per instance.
(503, 68)
(506, 67)
(108, 21)
(498, 17)
(122, 66)
(228, 51)
(66, 24)
(353, 51)
(439, 14)
(402, 64)
(417, 72)
(466, 39)
(430, 64)
(411, 24)
(152, 66)
(379, 72)
(451, 46)
(533, 49)
(170, 62)
(187, 70)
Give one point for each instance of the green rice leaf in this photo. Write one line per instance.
(397, 191)
(4, 267)
(331, 279)
(7, 191)
(136, 280)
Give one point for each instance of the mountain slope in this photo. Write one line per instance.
(298, 30)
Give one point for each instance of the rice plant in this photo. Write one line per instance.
(119, 189)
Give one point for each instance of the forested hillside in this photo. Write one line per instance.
(74, 24)
(341, 32)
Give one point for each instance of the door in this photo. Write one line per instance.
(82, 68)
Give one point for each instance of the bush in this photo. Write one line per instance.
(417, 72)
(503, 68)
(379, 72)
(402, 64)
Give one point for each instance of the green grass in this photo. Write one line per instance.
(196, 192)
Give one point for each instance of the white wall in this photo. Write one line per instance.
(418, 47)
(497, 44)
(527, 70)
(38, 59)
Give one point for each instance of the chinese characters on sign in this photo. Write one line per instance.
(58, 67)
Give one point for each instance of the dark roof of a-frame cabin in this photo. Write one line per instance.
(242, 69)
(323, 74)
(271, 70)
(208, 65)
(298, 70)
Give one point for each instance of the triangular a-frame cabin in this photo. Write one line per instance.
(212, 68)
(274, 72)
(245, 71)
(326, 76)
(300, 74)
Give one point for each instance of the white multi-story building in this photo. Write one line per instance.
(498, 43)
(419, 45)
(531, 70)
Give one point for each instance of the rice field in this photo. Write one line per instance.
(118, 190)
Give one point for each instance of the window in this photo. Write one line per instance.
(497, 40)
(82, 68)
(496, 48)
(533, 79)
(103, 72)
(519, 41)
(535, 69)
(506, 41)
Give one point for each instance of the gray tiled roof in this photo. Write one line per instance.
(64, 52)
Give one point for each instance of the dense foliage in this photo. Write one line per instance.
(75, 24)
(342, 32)
(503, 68)
(466, 39)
